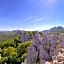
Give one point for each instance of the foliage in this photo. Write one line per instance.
(12, 51)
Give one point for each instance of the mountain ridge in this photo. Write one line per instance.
(58, 29)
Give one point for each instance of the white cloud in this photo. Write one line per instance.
(35, 19)
(31, 17)
(38, 19)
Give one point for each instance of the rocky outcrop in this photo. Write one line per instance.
(38, 50)
(45, 49)
(25, 37)
(33, 51)
(59, 58)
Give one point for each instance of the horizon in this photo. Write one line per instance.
(31, 29)
(31, 15)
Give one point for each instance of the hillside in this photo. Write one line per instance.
(54, 30)
(12, 34)
(4, 35)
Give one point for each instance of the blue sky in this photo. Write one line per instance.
(31, 14)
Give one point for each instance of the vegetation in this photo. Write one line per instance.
(12, 51)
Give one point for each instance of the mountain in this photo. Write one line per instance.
(5, 35)
(9, 34)
(54, 30)
(12, 34)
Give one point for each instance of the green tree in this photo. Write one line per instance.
(10, 54)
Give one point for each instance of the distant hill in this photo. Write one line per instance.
(54, 30)
(4, 35)
(9, 34)
(12, 34)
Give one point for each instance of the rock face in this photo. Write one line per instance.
(59, 57)
(62, 40)
(32, 56)
(53, 41)
(44, 53)
(33, 51)
(25, 37)
(38, 50)
(59, 51)
(22, 36)
(45, 49)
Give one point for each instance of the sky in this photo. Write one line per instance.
(31, 14)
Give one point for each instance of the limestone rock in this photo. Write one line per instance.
(32, 55)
